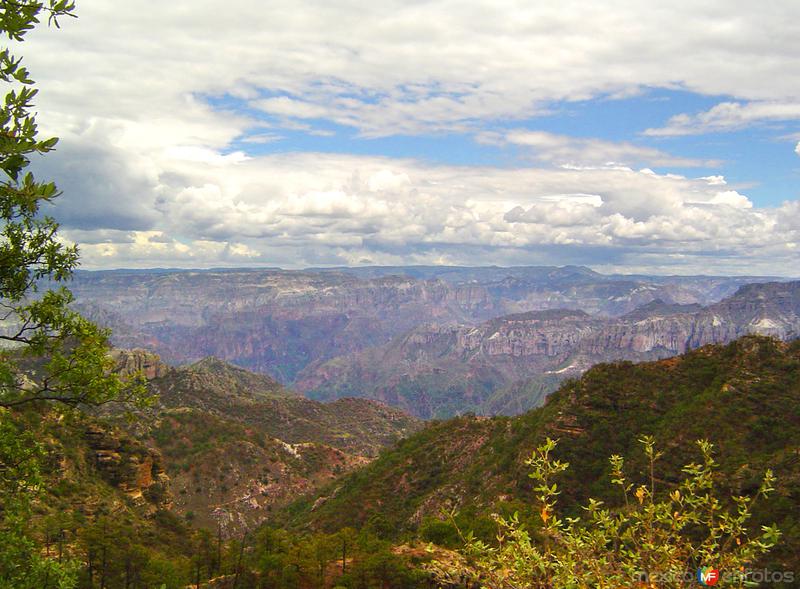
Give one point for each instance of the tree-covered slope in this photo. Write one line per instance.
(359, 426)
(238, 444)
(104, 502)
(744, 397)
(218, 450)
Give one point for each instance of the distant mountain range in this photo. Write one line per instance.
(278, 322)
(508, 364)
(434, 341)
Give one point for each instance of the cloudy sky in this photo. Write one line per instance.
(625, 135)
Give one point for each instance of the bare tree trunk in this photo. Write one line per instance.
(239, 562)
(218, 567)
(344, 556)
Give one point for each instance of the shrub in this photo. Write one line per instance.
(658, 537)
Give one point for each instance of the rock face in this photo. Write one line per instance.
(130, 466)
(279, 322)
(139, 361)
(438, 371)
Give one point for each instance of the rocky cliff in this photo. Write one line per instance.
(278, 322)
(436, 371)
(139, 361)
(133, 468)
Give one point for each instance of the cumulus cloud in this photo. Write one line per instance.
(105, 186)
(310, 209)
(150, 132)
(398, 67)
(568, 150)
(727, 116)
(161, 250)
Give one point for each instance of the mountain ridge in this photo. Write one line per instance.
(742, 396)
(278, 322)
(435, 370)
(237, 444)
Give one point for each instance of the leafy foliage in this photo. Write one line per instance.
(65, 356)
(21, 563)
(73, 350)
(742, 397)
(656, 536)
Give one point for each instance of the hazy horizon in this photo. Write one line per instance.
(788, 277)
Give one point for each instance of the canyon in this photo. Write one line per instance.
(509, 364)
(278, 321)
(433, 341)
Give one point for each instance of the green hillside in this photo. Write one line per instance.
(238, 444)
(744, 397)
(257, 401)
(105, 502)
(137, 498)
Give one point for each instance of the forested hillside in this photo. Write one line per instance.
(205, 458)
(238, 444)
(744, 397)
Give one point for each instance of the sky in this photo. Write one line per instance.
(627, 136)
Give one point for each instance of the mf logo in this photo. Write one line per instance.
(707, 576)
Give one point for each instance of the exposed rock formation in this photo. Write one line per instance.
(457, 368)
(130, 466)
(279, 322)
(139, 361)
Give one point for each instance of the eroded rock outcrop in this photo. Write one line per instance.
(139, 361)
(130, 466)
(467, 367)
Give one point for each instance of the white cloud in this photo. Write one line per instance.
(147, 131)
(576, 151)
(398, 67)
(731, 198)
(262, 138)
(163, 251)
(728, 116)
(204, 155)
(287, 107)
(309, 209)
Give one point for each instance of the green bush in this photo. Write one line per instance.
(659, 536)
